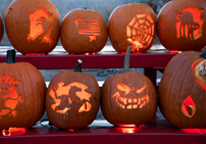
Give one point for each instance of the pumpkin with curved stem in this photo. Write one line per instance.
(22, 93)
(1, 28)
(132, 25)
(181, 25)
(182, 90)
(72, 99)
(83, 31)
(32, 26)
(128, 98)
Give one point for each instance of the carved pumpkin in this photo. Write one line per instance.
(128, 98)
(83, 31)
(181, 25)
(1, 28)
(132, 25)
(182, 91)
(32, 26)
(22, 93)
(72, 99)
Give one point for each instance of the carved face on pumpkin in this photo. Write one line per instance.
(124, 100)
(9, 97)
(70, 96)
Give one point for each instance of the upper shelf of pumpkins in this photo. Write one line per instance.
(34, 27)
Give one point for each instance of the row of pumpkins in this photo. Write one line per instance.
(73, 98)
(34, 27)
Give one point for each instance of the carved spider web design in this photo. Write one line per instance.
(140, 31)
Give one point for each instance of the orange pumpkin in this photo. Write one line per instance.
(1, 28)
(128, 98)
(181, 25)
(72, 99)
(132, 25)
(22, 93)
(182, 90)
(83, 31)
(32, 26)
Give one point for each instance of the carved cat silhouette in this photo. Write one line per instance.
(187, 19)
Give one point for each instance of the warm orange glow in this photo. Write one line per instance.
(128, 130)
(9, 94)
(66, 90)
(130, 103)
(195, 131)
(33, 54)
(188, 107)
(140, 31)
(40, 26)
(189, 23)
(13, 131)
(90, 28)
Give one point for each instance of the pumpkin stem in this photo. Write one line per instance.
(78, 66)
(126, 60)
(11, 56)
(203, 54)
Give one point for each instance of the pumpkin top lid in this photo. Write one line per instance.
(11, 56)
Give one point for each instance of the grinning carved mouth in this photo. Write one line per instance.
(129, 103)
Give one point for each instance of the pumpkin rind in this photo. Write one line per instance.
(119, 116)
(83, 31)
(32, 26)
(140, 19)
(168, 31)
(177, 86)
(1, 28)
(31, 90)
(72, 119)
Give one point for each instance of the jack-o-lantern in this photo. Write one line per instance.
(132, 25)
(72, 99)
(1, 28)
(128, 98)
(32, 26)
(83, 31)
(182, 90)
(181, 25)
(22, 93)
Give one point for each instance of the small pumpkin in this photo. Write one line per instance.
(22, 93)
(1, 28)
(72, 99)
(83, 31)
(182, 90)
(32, 26)
(128, 98)
(181, 25)
(132, 25)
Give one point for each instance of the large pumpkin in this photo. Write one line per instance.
(1, 28)
(83, 31)
(128, 98)
(181, 25)
(132, 25)
(72, 99)
(32, 26)
(22, 93)
(182, 91)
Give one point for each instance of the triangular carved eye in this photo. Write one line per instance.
(141, 89)
(188, 107)
(124, 88)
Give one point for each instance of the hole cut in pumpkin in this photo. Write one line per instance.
(127, 102)
(10, 96)
(61, 90)
(189, 23)
(140, 31)
(40, 26)
(13, 131)
(188, 107)
(90, 28)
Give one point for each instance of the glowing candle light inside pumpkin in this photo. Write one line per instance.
(13, 131)
(189, 23)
